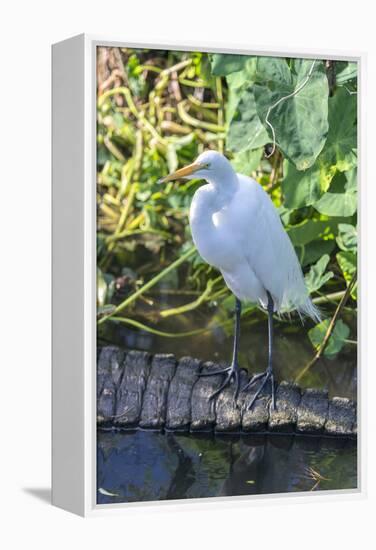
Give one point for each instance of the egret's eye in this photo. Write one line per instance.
(206, 166)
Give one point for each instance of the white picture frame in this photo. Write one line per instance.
(74, 275)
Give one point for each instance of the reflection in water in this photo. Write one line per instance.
(142, 466)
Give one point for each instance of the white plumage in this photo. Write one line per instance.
(236, 228)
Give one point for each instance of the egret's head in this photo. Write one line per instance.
(210, 166)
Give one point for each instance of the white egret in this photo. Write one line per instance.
(236, 228)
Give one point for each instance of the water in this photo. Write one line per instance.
(146, 466)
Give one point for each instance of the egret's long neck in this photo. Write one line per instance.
(207, 201)
(201, 213)
(225, 184)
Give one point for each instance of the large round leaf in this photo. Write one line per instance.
(307, 231)
(300, 121)
(345, 71)
(336, 341)
(337, 204)
(347, 261)
(247, 161)
(301, 188)
(317, 277)
(224, 64)
(246, 131)
(341, 144)
(347, 237)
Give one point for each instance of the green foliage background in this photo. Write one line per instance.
(157, 111)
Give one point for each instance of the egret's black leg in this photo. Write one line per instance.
(233, 371)
(268, 374)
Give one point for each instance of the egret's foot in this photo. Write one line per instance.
(266, 376)
(232, 374)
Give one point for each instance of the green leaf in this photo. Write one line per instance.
(336, 341)
(314, 250)
(337, 204)
(105, 287)
(347, 261)
(340, 149)
(351, 180)
(236, 82)
(308, 231)
(285, 214)
(347, 237)
(338, 183)
(347, 71)
(247, 161)
(274, 71)
(301, 188)
(305, 189)
(316, 278)
(342, 204)
(246, 131)
(101, 288)
(300, 122)
(224, 64)
(238, 79)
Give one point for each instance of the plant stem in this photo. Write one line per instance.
(193, 83)
(195, 332)
(149, 284)
(329, 331)
(329, 297)
(130, 232)
(141, 326)
(147, 67)
(188, 119)
(132, 191)
(191, 305)
(113, 149)
(206, 105)
(220, 119)
(132, 107)
(177, 67)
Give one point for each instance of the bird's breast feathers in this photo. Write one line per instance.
(220, 225)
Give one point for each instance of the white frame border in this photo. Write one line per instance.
(89, 507)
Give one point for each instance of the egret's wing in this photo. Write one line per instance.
(268, 248)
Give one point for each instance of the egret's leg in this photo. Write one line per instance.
(233, 370)
(270, 346)
(268, 374)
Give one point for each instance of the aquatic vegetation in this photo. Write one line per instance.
(289, 123)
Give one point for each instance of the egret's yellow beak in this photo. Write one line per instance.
(183, 172)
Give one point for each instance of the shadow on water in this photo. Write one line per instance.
(143, 466)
